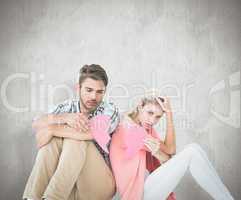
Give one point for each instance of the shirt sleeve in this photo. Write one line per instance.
(57, 109)
(112, 111)
(63, 107)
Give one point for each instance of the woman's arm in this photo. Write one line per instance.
(161, 156)
(153, 145)
(170, 138)
(169, 144)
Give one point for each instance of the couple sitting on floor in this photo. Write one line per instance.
(88, 152)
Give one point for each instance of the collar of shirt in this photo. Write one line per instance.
(100, 108)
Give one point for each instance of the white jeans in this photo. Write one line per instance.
(161, 182)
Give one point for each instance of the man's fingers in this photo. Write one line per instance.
(83, 130)
(84, 126)
(76, 124)
(84, 122)
(83, 117)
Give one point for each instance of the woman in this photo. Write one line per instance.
(146, 167)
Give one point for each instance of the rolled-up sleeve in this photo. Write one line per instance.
(56, 109)
(60, 108)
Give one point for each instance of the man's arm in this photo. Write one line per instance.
(44, 135)
(66, 131)
(61, 114)
(55, 115)
(74, 120)
(48, 119)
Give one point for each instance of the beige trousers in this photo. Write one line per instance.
(67, 169)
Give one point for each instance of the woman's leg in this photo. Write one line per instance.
(164, 179)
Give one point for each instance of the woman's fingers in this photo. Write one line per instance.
(148, 146)
(161, 103)
(153, 140)
(152, 146)
(165, 104)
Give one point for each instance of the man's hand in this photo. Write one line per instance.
(76, 124)
(77, 121)
(43, 136)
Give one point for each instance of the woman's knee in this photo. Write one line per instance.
(195, 148)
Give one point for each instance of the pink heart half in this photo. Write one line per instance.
(99, 126)
(134, 140)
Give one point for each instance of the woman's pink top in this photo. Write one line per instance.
(130, 159)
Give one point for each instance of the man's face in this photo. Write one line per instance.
(91, 93)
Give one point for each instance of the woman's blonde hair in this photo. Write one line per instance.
(145, 100)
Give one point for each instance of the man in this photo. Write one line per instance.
(70, 164)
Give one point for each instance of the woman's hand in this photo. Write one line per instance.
(165, 105)
(169, 145)
(153, 145)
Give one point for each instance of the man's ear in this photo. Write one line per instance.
(77, 87)
(105, 90)
(140, 106)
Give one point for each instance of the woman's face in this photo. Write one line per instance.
(149, 114)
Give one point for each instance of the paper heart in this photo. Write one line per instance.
(99, 126)
(134, 140)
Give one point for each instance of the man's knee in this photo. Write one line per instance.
(77, 147)
(54, 146)
(67, 142)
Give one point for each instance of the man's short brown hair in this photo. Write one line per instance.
(93, 71)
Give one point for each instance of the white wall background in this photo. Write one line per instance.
(188, 49)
